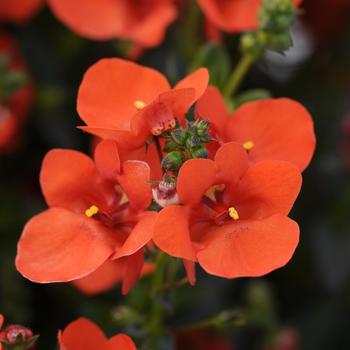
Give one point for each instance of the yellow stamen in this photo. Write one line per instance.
(139, 105)
(248, 145)
(233, 213)
(93, 210)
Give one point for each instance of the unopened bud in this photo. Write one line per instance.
(17, 337)
(173, 161)
(165, 194)
(199, 152)
(179, 136)
(193, 141)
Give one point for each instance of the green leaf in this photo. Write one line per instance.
(216, 59)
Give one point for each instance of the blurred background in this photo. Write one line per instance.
(305, 305)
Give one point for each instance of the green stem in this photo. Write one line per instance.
(238, 75)
(155, 325)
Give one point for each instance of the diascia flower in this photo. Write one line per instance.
(19, 11)
(127, 102)
(14, 108)
(233, 218)
(96, 213)
(278, 129)
(83, 334)
(233, 15)
(142, 21)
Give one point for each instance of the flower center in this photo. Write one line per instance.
(139, 105)
(93, 210)
(248, 145)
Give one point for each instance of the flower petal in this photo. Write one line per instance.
(120, 342)
(171, 233)
(59, 246)
(249, 248)
(82, 334)
(69, 179)
(198, 80)
(102, 279)
(1, 320)
(133, 265)
(95, 19)
(11, 10)
(211, 107)
(110, 88)
(190, 268)
(125, 139)
(195, 177)
(107, 159)
(280, 129)
(231, 162)
(269, 187)
(135, 181)
(141, 234)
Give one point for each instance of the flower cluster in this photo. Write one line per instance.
(214, 190)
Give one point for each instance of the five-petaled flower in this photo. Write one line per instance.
(233, 218)
(83, 334)
(96, 213)
(127, 102)
(142, 21)
(275, 129)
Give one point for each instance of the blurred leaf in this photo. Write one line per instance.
(216, 59)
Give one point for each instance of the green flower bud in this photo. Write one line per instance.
(179, 136)
(199, 152)
(170, 146)
(193, 141)
(173, 161)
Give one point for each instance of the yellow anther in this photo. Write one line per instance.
(93, 210)
(139, 105)
(233, 213)
(248, 145)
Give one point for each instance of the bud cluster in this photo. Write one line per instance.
(275, 19)
(186, 143)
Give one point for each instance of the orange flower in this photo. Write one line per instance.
(83, 334)
(126, 102)
(96, 213)
(15, 108)
(233, 218)
(142, 21)
(278, 129)
(19, 11)
(233, 15)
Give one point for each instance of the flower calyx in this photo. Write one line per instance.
(17, 337)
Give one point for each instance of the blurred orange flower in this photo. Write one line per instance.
(83, 334)
(142, 21)
(19, 11)
(233, 15)
(278, 129)
(233, 218)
